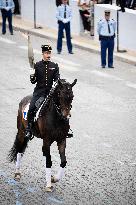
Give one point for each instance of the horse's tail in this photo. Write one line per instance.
(18, 146)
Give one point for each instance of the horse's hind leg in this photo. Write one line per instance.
(60, 174)
(16, 152)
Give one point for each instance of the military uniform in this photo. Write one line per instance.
(64, 16)
(7, 7)
(106, 30)
(46, 72)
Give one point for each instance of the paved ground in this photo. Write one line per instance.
(101, 157)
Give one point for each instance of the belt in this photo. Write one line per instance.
(106, 37)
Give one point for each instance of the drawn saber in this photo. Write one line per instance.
(30, 52)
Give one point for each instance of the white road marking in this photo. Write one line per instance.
(106, 75)
(64, 64)
(61, 60)
(106, 145)
(86, 135)
(26, 48)
(131, 85)
(58, 59)
(71, 66)
(5, 40)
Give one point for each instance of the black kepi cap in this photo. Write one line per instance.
(46, 48)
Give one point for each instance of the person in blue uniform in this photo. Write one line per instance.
(64, 15)
(7, 8)
(106, 30)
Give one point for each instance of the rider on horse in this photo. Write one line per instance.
(44, 75)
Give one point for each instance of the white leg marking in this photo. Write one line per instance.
(48, 177)
(18, 162)
(60, 173)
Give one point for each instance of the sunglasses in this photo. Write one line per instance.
(107, 13)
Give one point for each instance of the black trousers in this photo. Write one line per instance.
(61, 28)
(17, 9)
(6, 15)
(86, 23)
(122, 4)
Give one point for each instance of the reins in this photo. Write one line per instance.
(46, 103)
(58, 110)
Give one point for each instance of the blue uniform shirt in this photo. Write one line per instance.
(60, 13)
(10, 4)
(102, 27)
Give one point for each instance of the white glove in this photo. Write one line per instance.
(12, 10)
(65, 21)
(7, 8)
(32, 71)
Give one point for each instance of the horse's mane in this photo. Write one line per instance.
(48, 99)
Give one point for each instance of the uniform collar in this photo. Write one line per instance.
(45, 62)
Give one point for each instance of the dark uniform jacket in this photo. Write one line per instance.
(45, 73)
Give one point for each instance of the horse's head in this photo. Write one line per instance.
(64, 96)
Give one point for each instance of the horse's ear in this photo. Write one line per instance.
(75, 81)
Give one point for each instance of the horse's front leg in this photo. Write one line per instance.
(48, 164)
(60, 174)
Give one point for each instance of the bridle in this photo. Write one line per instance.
(56, 106)
(59, 112)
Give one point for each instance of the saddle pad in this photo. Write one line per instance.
(25, 111)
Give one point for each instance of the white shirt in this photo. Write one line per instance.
(10, 4)
(60, 13)
(102, 27)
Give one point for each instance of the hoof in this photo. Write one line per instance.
(17, 176)
(54, 179)
(49, 189)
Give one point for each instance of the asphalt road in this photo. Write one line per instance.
(101, 168)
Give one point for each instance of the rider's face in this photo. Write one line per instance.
(46, 55)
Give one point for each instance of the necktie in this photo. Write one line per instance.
(6, 3)
(65, 12)
(108, 27)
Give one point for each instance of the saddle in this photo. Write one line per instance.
(38, 104)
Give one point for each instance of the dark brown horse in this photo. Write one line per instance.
(51, 125)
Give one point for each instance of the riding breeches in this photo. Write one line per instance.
(32, 107)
